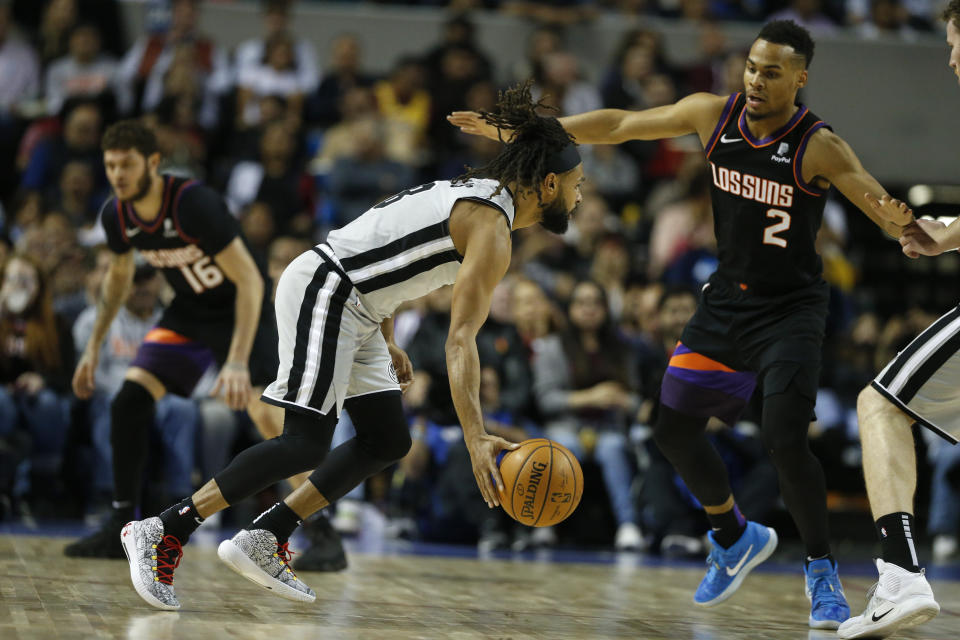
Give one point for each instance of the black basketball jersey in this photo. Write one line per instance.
(766, 217)
(193, 226)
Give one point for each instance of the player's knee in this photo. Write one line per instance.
(301, 453)
(392, 443)
(870, 403)
(131, 408)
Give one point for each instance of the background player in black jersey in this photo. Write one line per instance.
(921, 385)
(216, 317)
(761, 318)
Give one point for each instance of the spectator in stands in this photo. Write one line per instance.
(19, 82)
(358, 182)
(887, 18)
(59, 20)
(533, 316)
(610, 269)
(176, 419)
(180, 138)
(359, 106)
(460, 70)
(76, 195)
(79, 141)
(943, 524)
(543, 40)
(276, 76)
(585, 384)
(275, 179)
(261, 71)
(36, 358)
(191, 57)
(682, 228)
(402, 98)
(85, 72)
(562, 86)
(458, 33)
(344, 73)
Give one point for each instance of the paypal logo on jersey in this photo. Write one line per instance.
(782, 151)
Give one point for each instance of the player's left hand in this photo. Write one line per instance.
(890, 209)
(922, 238)
(402, 365)
(234, 382)
(483, 456)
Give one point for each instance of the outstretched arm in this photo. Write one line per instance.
(697, 113)
(485, 241)
(829, 157)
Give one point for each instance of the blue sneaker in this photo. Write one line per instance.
(828, 606)
(728, 567)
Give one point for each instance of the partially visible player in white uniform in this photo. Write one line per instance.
(922, 385)
(334, 306)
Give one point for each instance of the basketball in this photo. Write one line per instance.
(542, 482)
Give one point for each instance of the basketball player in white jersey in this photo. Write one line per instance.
(334, 306)
(921, 385)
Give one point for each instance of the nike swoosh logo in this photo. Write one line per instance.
(735, 569)
(875, 617)
(725, 139)
(132, 231)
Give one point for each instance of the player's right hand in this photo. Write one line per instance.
(471, 122)
(84, 382)
(234, 382)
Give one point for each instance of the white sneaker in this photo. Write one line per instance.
(629, 537)
(900, 599)
(256, 556)
(944, 547)
(543, 537)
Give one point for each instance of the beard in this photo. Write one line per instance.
(556, 216)
(143, 188)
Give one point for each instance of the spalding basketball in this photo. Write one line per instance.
(542, 482)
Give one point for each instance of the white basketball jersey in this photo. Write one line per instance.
(401, 249)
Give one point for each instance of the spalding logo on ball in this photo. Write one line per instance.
(542, 482)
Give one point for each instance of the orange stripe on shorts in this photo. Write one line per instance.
(165, 336)
(698, 363)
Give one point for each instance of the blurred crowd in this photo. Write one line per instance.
(300, 141)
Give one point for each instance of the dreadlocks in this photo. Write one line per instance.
(524, 159)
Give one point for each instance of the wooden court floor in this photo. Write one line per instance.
(46, 595)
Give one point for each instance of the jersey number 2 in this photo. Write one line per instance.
(202, 275)
(770, 233)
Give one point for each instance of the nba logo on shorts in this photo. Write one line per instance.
(183, 511)
(883, 531)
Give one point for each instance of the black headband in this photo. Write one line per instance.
(563, 160)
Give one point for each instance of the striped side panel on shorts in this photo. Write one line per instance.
(913, 366)
(304, 322)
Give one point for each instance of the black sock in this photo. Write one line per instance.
(181, 520)
(132, 412)
(280, 520)
(727, 526)
(829, 556)
(896, 540)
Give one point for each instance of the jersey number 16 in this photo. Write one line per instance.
(202, 275)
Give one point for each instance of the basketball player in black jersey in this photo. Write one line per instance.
(762, 315)
(216, 317)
